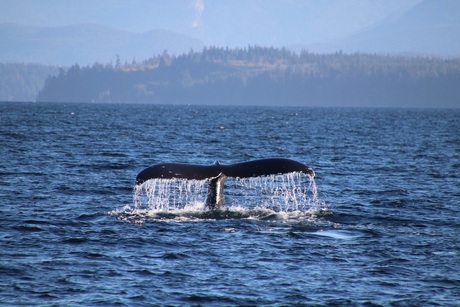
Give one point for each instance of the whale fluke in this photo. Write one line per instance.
(217, 173)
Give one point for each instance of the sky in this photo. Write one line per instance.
(218, 22)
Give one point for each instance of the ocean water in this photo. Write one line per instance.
(379, 225)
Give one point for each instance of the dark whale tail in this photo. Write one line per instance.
(218, 173)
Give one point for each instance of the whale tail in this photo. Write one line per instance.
(218, 173)
(215, 196)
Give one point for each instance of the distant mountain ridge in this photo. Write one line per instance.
(428, 27)
(431, 27)
(86, 44)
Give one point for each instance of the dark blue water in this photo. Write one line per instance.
(383, 231)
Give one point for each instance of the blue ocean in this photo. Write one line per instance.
(378, 225)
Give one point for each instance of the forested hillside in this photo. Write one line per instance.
(22, 82)
(264, 76)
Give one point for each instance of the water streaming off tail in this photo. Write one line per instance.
(280, 193)
(169, 194)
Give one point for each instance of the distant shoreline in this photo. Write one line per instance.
(264, 76)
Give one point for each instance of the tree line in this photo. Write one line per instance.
(263, 76)
(22, 82)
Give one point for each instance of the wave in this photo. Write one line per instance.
(198, 212)
(315, 223)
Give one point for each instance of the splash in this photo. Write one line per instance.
(282, 193)
(285, 196)
(169, 194)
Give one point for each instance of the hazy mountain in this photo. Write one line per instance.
(431, 27)
(86, 44)
(66, 32)
(289, 22)
(230, 23)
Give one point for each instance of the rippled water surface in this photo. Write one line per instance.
(383, 229)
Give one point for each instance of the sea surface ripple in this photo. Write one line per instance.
(382, 231)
